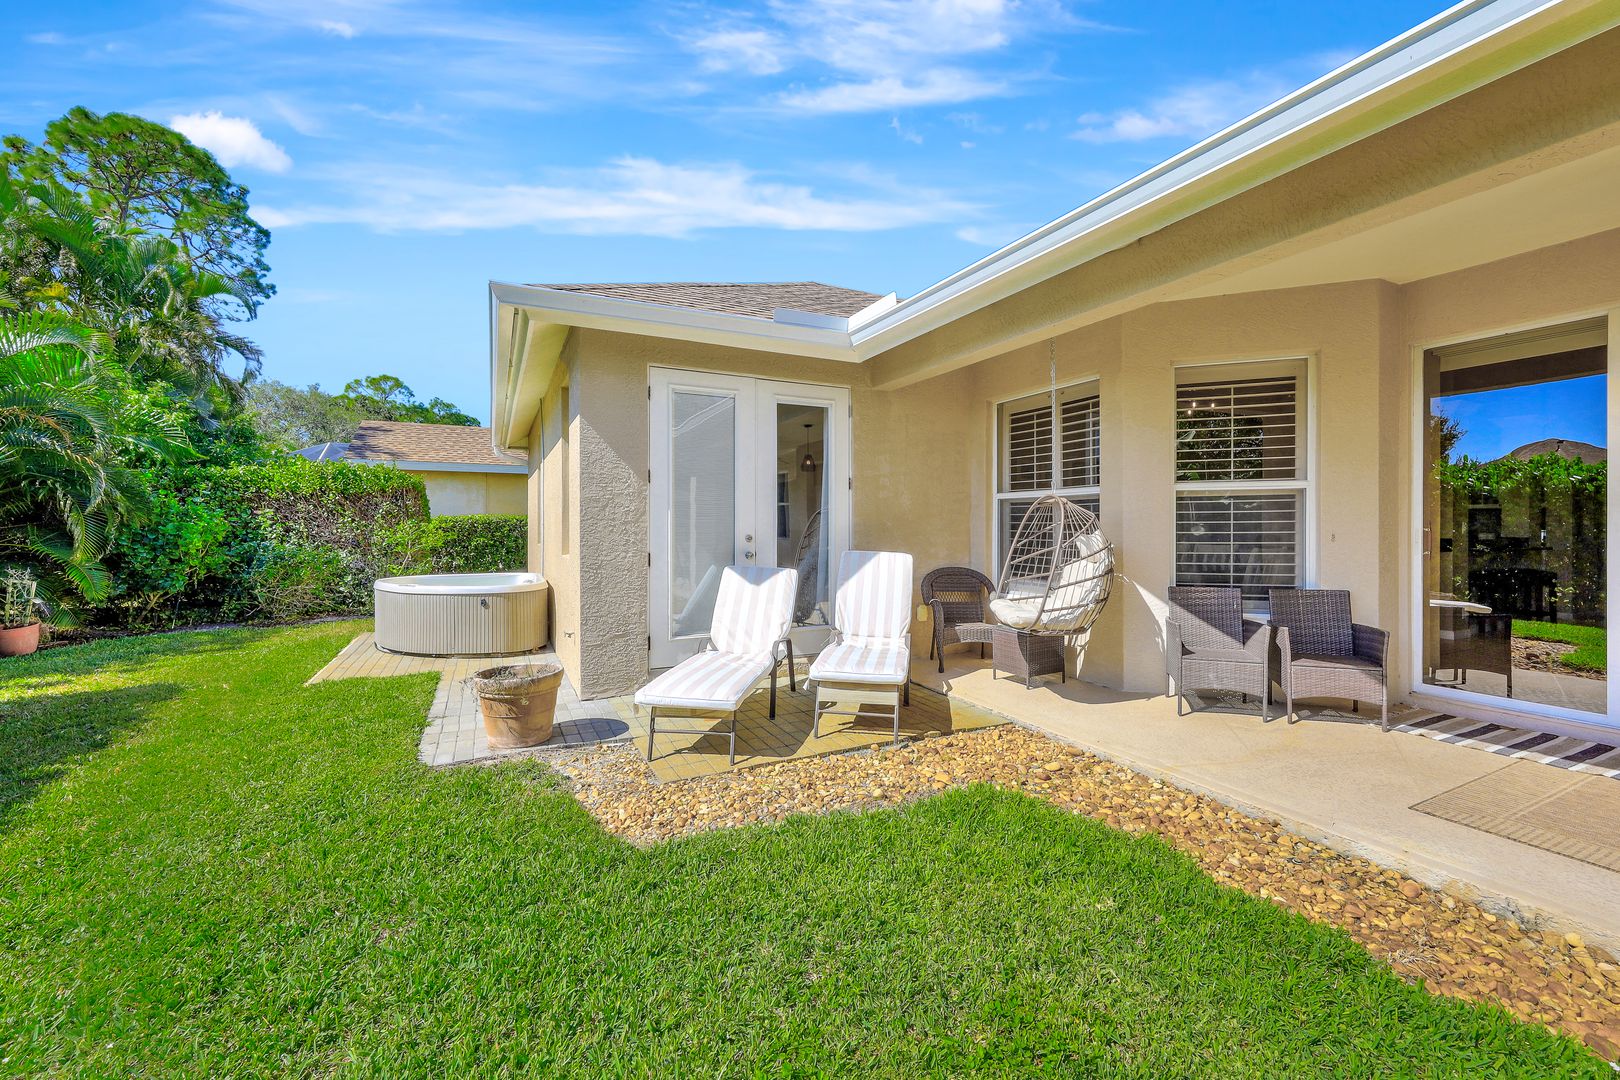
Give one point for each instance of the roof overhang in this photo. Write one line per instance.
(1460, 50)
(413, 465)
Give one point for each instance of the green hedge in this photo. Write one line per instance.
(465, 544)
(288, 539)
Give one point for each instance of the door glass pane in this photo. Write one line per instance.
(703, 504)
(1515, 505)
(803, 508)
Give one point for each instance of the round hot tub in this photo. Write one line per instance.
(462, 614)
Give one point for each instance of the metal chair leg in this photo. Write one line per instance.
(652, 726)
(773, 692)
(733, 758)
(793, 680)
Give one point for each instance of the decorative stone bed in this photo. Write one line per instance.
(1457, 948)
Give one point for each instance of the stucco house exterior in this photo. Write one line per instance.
(459, 466)
(1302, 295)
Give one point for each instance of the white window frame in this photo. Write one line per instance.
(998, 457)
(1305, 457)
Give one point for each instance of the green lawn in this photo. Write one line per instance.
(1593, 641)
(208, 869)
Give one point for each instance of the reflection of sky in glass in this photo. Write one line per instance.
(1497, 422)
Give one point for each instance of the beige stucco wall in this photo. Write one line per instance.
(474, 493)
(923, 479)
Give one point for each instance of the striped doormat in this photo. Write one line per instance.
(1578, 755)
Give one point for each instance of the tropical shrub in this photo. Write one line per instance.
(68, 429)
(469, 544)
(286, 539)
(1556, 505)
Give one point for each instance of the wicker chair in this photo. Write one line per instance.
(955, 595)
(1208, 646)
(1322, 653)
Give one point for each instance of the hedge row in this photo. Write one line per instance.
(287, 540)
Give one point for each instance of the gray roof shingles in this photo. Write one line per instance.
(756, 299)
(389, 440)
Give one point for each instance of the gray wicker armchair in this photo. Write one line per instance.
(1208, 646)
(956, 596)
(1322, 653)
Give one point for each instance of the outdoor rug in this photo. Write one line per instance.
(1578, 755)
(1567, 813)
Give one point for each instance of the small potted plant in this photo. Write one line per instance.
(19, 618)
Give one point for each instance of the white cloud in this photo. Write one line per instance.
(234, 140)
(995, 236)
(942, 86)
(629, 196)
(49, 37)
(906, 134)
(758, 52)
(1194, 110)
(879, 54)
(336, 27)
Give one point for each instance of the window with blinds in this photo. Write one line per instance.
(1241, 484)
(1036, 457)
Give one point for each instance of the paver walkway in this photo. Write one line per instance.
(455, 730)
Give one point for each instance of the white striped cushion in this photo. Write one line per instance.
(709, 680)
(754, 609)
(854, 662)
(874, 595)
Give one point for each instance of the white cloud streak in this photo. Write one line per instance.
(878, 54)
(234, 140)
(629, 196)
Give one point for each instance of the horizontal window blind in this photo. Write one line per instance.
(1251, 541)
(1029, 449)
(1237, 430)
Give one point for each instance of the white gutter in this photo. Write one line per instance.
(1467, 27)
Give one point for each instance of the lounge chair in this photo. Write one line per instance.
(1208, 646)
(1322, 653)
(752, 609)
(865, 670)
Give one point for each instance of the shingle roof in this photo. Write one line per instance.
(326, 451)
(758, 299)
(389, 440)
(1564, 448)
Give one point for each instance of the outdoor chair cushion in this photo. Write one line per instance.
(852, 661)
(709, 680)
(1073, 591)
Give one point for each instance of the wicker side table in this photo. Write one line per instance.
(1018, 652)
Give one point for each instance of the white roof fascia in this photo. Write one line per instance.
(413, 465)
(667, 321)
(1054, 247)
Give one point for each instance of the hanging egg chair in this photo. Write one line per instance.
(1059, 571)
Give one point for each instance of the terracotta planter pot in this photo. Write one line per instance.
(519, 703)
(19, 640)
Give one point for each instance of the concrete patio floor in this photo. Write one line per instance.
(1337, 780)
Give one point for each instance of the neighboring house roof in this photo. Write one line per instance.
(326, 451)
(758, 299)
(1564, 448)
(468, 449)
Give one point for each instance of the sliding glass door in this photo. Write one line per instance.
(1515, 513)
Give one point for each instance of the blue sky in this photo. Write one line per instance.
(405, 152)
(1497, 422)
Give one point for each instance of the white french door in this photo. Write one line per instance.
(750, 472)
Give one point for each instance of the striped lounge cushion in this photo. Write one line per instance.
(753, 609)
(874, 595)
(709, 680)
(852, 661)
